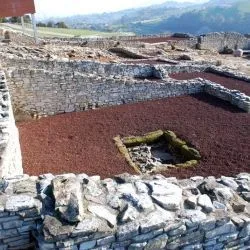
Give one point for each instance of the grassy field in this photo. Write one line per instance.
(59, 32)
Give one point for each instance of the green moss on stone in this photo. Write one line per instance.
(169, 135)
(145, 139)
(190, 153)
(124, 151)
(187, 164)
(177, 143)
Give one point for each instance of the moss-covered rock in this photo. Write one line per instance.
(173, 140)
(190, 153)
(145, 139)
(177, 143)
(124, 151)
(169, 135)
(187, 164)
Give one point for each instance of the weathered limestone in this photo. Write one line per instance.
(10, 152)
(68, 195)
(219, 40)
(136, 212)
(191, 222)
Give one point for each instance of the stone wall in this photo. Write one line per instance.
(20, 212)
(47, 93)
(77, 86)
(10, 152)
(96, 68)
(218, 40)
(126, 212)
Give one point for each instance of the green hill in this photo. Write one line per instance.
(209, 16)
(210, 19)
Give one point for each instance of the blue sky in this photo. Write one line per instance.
(47, 8)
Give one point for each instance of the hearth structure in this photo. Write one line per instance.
(157, 151)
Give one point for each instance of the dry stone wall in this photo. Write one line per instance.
(47, 93)
(75, 86)
(10, 152)
(218, 40)
(97, 68)
(215, 40)
(126, 212)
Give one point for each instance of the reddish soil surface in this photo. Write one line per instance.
(227, 82)
(82, 142)
(159, 39)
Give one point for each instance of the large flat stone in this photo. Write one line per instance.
(104, 212)
(162, 187)
(20, 202)
(170, 202)
(205, 202)
(91, 225)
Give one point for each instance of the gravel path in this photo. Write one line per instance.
(82, 142)
(227, 82)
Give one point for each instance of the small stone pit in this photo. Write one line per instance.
(157, 151)
(153, 156)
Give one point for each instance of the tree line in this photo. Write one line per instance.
(27, 19)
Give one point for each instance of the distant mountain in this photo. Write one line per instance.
(234, 16)
(119, 20)
(171, 16)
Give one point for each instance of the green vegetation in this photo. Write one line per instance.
(147, 138)
(171, 17)
(210, 19)
(64, 32)
(177, 146)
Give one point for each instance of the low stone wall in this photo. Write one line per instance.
(229, 73)
(20, 212)
(215, 40)
(127, 212)
(10, 152)
(97, 68)
(218, 40)
(41, 92)
(47, 93)
(235, 97)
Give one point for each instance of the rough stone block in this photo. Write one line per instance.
(87, 245)
(157, 243)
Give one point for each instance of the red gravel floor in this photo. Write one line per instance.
(227, 82)
(82, 142)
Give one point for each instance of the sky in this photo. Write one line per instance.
(48, 8)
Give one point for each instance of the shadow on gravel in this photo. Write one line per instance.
(218, 103)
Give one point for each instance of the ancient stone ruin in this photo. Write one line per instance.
(145, 210)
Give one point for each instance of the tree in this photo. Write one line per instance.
(50, 24)
(61, 25)
(41, 24)
(3, 20)
(15, 19)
